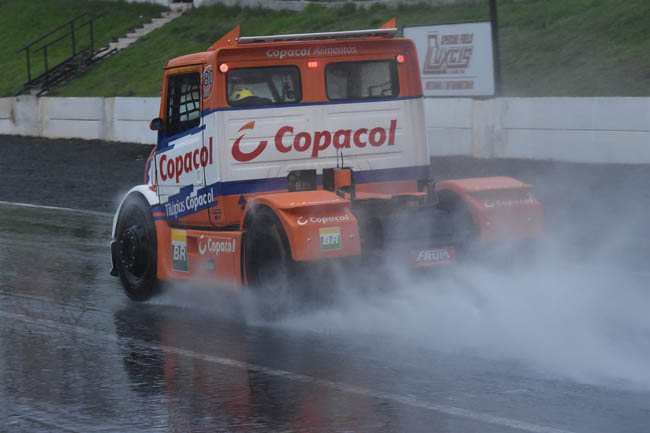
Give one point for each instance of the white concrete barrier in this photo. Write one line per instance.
(575, 129)
(20, 115)
(80, 117)
(132, 117)
(113, 119)
(449, 125)
(613, 130)
(597, 130)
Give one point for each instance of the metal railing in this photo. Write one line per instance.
(72, 34)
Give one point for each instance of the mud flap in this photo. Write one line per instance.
(416, 237)
(502, 208)
(318, 224)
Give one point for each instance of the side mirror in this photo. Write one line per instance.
(156, 124)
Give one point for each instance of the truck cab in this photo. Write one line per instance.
(242, 116)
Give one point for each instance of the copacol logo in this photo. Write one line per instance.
(207, 244)
(317, 141)
(322, 220)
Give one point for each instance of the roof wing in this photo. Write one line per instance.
(229, 38)
(390, 24)
(388, 30)
(352, 34)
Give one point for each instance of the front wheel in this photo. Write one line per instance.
(136, 249)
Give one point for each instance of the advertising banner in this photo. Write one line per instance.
(455, 59)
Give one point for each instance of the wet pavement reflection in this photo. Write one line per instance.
(77, 355)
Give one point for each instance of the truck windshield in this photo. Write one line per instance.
(248, 87)
(361, 80)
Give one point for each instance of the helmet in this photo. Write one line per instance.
(240, 93)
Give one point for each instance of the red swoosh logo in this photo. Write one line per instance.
(243, 156)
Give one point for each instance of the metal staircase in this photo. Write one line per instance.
(50, 75)
(65, 69)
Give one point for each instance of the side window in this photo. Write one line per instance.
(274, 85)
(361, 80)
(183, 102)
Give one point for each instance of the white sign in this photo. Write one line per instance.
(455, 59)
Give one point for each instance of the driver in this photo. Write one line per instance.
(241, 93)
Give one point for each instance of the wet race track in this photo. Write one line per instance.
(561, 345)
(77, 355)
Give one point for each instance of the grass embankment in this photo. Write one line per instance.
(138, 70)
(548, 47)
(23, 21)
(576, 48)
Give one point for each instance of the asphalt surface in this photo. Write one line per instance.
(559, 345)
(79, 174)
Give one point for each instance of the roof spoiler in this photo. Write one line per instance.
(229, 39)
(232, 38)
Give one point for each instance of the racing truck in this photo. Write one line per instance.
(277, 154)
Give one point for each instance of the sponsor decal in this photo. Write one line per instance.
(196, 159)
(433, 257)
(448, 53)
(179, 251)
(322, 220)
(216, 246)
(309, 51)
(179, 205)
(315, 202)
(455, 59)
(207, 82)
(315, 142)
(529, 200)
(450, 85)
(330, 238)
(334, 51)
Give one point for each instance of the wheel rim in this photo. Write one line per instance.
(133, 252)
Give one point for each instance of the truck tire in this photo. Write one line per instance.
(466, 234)
(137, 248)
(268, 263)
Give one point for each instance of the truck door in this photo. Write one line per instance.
(180, 156)
(210, 133)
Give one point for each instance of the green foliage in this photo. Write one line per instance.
(576, 48)
(23, 21)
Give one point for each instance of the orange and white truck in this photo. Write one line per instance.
(276, 153)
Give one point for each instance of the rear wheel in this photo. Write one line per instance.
(466, 234)
(269, 266)
(136, 251)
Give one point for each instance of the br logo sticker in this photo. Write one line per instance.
(330, 238)
(179, 251)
